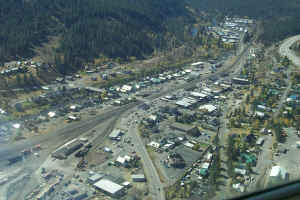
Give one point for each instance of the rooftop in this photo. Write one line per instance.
(108, 186)
(115, 133)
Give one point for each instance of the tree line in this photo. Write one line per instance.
(279, 18)
(91, 29)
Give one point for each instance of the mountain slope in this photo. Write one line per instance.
(90, 28)
(280, 18)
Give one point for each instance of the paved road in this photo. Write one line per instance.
(155, 186)
(284, 95)
(284, 49)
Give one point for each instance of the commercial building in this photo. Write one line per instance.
(138, 178)
(115, 134)
(209, 108)
(110, 188)
(277, 175)
(241, 81)
(187, 102)
(94, 178)
(192, 130)
(123, 160)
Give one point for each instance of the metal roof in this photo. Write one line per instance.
(115, 133)
(108, 186)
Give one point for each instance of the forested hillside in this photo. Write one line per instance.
(91, 28)
(280, 18)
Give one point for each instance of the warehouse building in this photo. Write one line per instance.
(94, 178)
(192, 130)
(138, 178)
(110, 188)
(67, 149)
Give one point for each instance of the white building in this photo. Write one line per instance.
(209, 108)
(277, 175)
(109, 187)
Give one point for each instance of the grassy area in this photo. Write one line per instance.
(178, 192)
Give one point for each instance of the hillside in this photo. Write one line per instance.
(90, 29)
(279, 18)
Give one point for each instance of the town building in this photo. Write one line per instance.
(110, 188)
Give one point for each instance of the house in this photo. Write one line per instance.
(260, 141)
(277, 175)
(123, 160)
(2, 111)
(239, 187)
(138, 178)
(154, 144)
(240, 171)
(205, 165)
(152, 118)
(110, 188)
(261, 108)
(126, 88)
(60, 80)
(259, 114)
(51, 114)
(191, 130)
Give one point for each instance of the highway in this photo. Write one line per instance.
(284, 49)
(155, 186)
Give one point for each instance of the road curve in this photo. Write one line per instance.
(284, 49)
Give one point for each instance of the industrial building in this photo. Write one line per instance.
(110, 188)
(186, 102)
(240, 81)
(138, 178)
(94, 178)
(67, 149)
(192, 130)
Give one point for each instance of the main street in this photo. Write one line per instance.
(154, 184)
